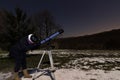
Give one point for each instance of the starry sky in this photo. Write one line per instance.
(77, 17)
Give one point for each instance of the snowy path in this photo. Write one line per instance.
(76, 74)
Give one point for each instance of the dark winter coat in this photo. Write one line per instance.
(21, 47)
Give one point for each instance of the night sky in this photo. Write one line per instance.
(77, 17)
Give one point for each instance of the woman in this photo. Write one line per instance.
(18, 52)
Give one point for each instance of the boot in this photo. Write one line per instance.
(26, 75)
(16, 76)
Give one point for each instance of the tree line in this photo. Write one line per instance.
(17, 24)
(108, 40)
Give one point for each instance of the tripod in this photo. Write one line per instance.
(50, 72)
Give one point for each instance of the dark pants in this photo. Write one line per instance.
(20, 60)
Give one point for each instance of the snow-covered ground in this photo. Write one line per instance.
(75, 74)
(4, 76)
(84, 68)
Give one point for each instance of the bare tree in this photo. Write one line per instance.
(15, 27)
(45, 23)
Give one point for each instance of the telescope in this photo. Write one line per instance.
(49, 54)
(51, 36)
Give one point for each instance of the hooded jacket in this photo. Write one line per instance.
(21, 47)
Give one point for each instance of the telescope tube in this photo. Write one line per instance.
(51, 36)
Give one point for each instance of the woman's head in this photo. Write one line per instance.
(32, 38)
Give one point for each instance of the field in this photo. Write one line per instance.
(79, 64)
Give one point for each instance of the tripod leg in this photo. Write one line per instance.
(39, 65)
(41, 60)
(52, 66)
(51, 59)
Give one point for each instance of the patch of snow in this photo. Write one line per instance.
(4, 76)
(75, 74)
(4, 55)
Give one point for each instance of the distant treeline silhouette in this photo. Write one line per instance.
(104, 40)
